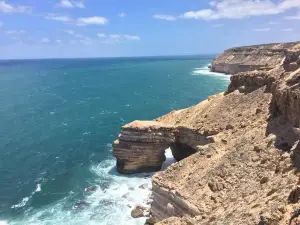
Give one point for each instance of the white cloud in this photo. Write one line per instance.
(164, 17)
(122, 14)
(217, 25)
(80, 41)
(289, 4)
(71, 4)
(288, 29)
(205, 14)
(131, 37)
(212, 3)
(116, 38)
(83, 21)
(76, 35)
(45, 40)
(70, 32)
(15, 32)
(78, 38)
(296, 17)
(1, 23)
(262, 29)
(238, 9)
(58, 17)
(59, 42)
(8, 8)
(95, 20)
(273, 23)
(100, 35)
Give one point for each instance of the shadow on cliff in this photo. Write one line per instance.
(284, 117)
(284, 109)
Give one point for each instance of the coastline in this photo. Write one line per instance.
(204, 136)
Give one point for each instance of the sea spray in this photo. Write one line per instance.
(205, 71)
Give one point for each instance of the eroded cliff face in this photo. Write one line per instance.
(141, 145)
(259, 57)
(239, 153)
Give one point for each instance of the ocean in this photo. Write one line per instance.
(59, 118)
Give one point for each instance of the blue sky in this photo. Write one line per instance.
(111, 28)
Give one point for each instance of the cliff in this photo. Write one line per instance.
(238, 151)
(259, 57)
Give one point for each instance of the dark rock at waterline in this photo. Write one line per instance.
(150, 221)
(138, 212)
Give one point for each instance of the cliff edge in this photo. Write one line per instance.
(238, 152)
(258, 57)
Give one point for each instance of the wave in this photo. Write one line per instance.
(206, 71)
(24, 201)
(109, 203)
(38, 188)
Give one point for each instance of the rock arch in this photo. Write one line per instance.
(141, 145)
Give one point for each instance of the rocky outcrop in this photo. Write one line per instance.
(238, 151)
(259, 57)
(287, 96)
(139, 211)
(141, 145)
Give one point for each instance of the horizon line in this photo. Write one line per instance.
(110, 57)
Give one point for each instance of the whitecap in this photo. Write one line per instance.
(105, 205)
(109, 145)
(22, 203)
(38, 188)
(206, 71)
(86, 133)
(3, 223)
(52, 113)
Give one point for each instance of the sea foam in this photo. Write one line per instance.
(111, 202)
(206, 71)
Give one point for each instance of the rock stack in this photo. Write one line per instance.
(141, 146)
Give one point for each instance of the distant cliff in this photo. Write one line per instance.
(257, 57)
(238, 151)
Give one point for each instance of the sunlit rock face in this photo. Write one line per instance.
(257, 57)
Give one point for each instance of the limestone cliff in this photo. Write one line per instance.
(259, 57)
(238, 151)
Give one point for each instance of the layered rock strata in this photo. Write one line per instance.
(238, 152)
(259, 57)
(141, 145)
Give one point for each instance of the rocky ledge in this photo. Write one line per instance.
(238, 153)
(258, 57)
(141, 145)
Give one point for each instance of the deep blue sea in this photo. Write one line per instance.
(58, 119)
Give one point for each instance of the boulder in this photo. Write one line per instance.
(138, 212)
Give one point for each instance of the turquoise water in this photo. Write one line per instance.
(58, 120)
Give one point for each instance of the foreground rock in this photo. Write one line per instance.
(138, 212)
(238, 152)
(141, 146)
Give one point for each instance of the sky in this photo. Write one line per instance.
(120, 28)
